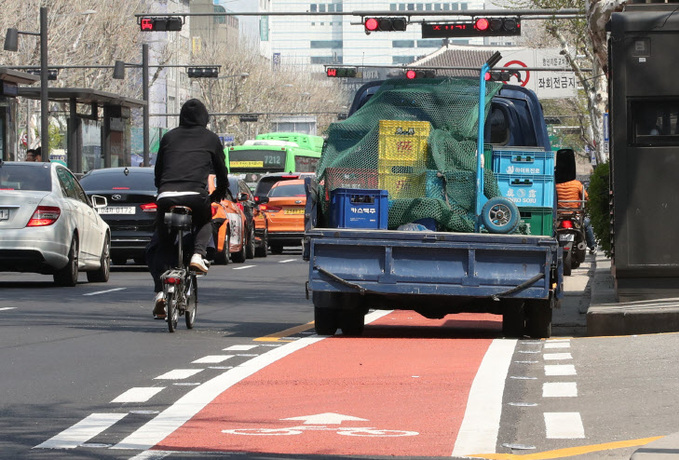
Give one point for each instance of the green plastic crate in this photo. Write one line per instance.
(539, 221)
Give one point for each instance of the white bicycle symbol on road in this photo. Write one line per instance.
(344, 431)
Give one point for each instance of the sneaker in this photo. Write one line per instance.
(198, 264)
(159, 306)
(592, 251)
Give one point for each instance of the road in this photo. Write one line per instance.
(87, 373)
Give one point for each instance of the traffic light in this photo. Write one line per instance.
(203, 72)
(384, 24)
(52, 74)
(479, 27)
(162, 24)
(341, 71)
(412, 74)
(501, 75)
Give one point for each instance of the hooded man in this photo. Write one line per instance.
(186, 156)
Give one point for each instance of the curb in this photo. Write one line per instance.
(663, 449)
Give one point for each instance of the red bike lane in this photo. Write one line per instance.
(400, 390)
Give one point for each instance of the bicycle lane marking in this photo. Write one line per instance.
(190, 404)
(387, 396)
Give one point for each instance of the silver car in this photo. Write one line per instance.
(48, 224)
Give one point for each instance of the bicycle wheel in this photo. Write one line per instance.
(172, 311)
(191, 302)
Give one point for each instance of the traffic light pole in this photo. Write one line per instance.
(145, 96)
(44, 88)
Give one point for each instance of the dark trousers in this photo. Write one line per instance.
(161, 252)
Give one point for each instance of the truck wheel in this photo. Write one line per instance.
(539, 318)
(513, 318)
(500, 215)
(326, 320)
(352, 322)
(567, 262)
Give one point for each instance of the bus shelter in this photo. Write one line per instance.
(9, 90)
(98, 127)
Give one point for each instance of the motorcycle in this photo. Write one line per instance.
(570, 232)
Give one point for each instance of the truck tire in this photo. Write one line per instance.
(500, 215)
(326, 318)
(352, 322)
(567, 263)
(513, 318)
(539, 318)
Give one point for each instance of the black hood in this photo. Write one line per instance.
(193, 113)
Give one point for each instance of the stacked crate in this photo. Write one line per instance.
(402, 157)
(526, 176)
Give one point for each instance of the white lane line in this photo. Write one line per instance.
(553, 345)
(195, 400)
(564, 425)
(557, 356)
(178, 374)
(82, 431)
(559, 369)
(559, 390)
(152, 455)
(7, 308)
(479, 429)
(138, 394)
(105, 292)
(212, 359)
(286, 261)
(239, 347)
(243, 267)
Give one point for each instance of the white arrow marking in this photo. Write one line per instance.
(327, 418)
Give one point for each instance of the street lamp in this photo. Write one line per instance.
(11, 44)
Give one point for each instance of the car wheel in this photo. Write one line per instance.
(101, 275)
(250, 246)
(68, 276)
(326, 316)
(262, 249)
(240, 256)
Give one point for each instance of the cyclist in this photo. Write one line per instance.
(186, 156)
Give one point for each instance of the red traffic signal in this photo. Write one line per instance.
(479, 27)
(501, 75)
(156, 24)
(385, 24)
(341, 71)
(412, 74)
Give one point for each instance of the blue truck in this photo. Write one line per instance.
(436, 273)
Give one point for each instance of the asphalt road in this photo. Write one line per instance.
(81, 359)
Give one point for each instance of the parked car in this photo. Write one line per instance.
(131, 210)
(49, 225)
(285, 213)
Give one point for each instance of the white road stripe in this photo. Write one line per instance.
(557, 356)
(559, 390)
(239, 347)
(195, 400)
(138, 394)
(559, 369)
(243, 267)
(7, 308)
(564, 425)
(286, 261)
(479, 429)
(178, 374)
(152, 455)
(212, 359)
(554, 344)
(106, 291)
(82, 431)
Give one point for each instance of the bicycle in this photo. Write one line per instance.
(180, 285)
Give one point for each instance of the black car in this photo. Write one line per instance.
(131, 210)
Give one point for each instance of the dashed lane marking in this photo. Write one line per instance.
(554, 344)
(178, 374)
(243, 267)
(559, 369)
(82, 431)
(138, 395)
(239, 348)
(7, 308)
(212, 359)
(105, 292)
(286, 261)
(564, 425)
(557, 356)
(559, 390)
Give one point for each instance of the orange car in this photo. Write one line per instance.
(229, 229)
(285, 214)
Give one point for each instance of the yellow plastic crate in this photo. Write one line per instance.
(402, 166)
(403, 185)
(403, 139)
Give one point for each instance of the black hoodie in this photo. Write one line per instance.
(189, 153)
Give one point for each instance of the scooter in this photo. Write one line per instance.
(570, 232)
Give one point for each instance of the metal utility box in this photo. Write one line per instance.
(644, 108)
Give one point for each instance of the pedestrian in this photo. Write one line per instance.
(38, 155)
(30, 155)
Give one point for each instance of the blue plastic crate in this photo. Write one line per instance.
(524, 161)
(359, 208)
(528, 191)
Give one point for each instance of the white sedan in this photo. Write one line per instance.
(48, 224)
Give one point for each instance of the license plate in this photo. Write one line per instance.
(569, 237)
(117, 210)
(294, 211)
(4, 214)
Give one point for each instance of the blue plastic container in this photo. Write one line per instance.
(534, 162)
(359, 208)
(528, 191)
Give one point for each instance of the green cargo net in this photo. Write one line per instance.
(416, 139)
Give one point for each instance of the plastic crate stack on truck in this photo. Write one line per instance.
(405, 159)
